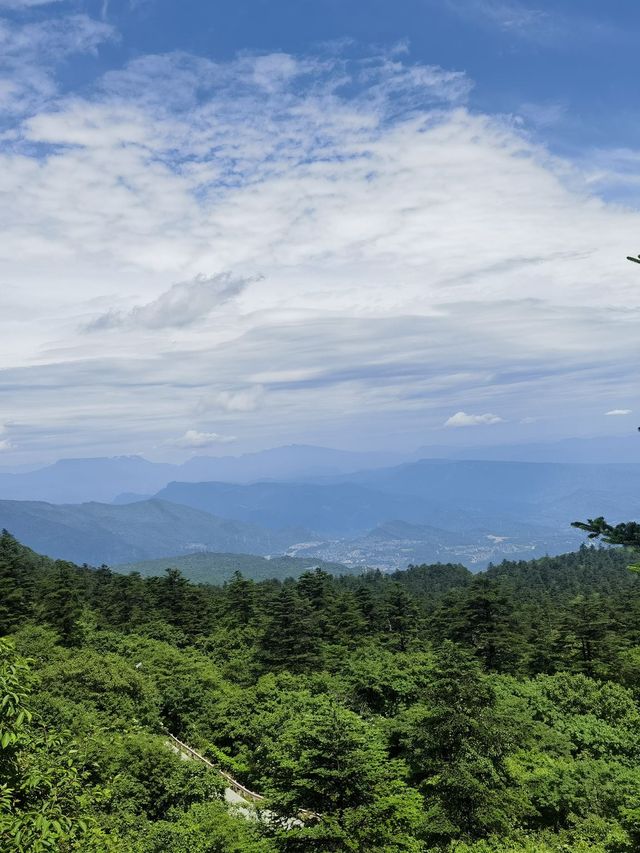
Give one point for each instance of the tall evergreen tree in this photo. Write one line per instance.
(62, 603)
(457, 746)
(240, 599)
(329, 761)
(484, 621)
(401, 616)
(13, 605)
(290, 640)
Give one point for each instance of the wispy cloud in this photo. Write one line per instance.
(237, 400)
(618, 412)
(30, 53)
(530, 23)
(509, 15)
(462, 419)
(184, 304)
(26, 4)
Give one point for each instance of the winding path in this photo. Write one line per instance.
(236, 794)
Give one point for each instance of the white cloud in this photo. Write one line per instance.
(462, 419)
(616, 412)
(340, 181)
(238, 400)
(184, 304)
(193, 438)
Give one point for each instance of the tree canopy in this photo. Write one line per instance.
(429, 710)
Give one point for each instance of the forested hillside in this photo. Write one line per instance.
(428, 710)
(214, 568)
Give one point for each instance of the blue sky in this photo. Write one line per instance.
(234, 225)
(568, 63)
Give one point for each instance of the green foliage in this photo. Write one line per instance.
(456, 744)
(205, 828)
(328, 761)
(429, 710)
(627, 534)
(291, 636)
(44, 805)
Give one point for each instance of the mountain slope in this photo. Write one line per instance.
(103, 533)
(453, 495)
(341, 509)
(217, 568)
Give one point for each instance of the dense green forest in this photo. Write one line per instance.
(428, 710)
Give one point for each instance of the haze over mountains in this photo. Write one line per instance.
(107, 478)
(338, 506)
(98, 533)
(104, 479)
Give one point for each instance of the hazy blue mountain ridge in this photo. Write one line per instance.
(453, 495)
(128, 478)
(104, 479)
(471, 511)
(97, 533)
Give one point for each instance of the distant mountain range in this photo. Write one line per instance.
(454, 495)
(455, 511)
(126, 478)
(104, 479)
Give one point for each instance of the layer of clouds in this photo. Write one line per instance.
(418, 260)
(618, 412)
(462, 419)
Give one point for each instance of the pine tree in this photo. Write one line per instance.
(401, 617)
(240, 599)
(290, 640)
(180, 603)
(369, 607)
(316, 588)
(587, 635)
(62, 605)
(329, 761)
(484, 621)
(124, 600)
(456, 746)
(13, 606)
(17, 580)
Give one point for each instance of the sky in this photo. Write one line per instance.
(369, 225)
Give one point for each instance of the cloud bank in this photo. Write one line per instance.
(418, 258)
